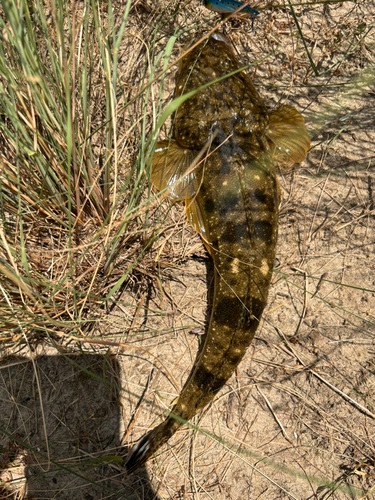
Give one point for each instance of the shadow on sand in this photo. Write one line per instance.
(72, 403)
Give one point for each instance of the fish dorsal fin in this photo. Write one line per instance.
(173, 170)
(288, 136)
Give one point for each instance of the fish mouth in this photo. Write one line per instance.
(220, 37)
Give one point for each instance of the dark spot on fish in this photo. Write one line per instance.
(229, 234)
(260, 195)
(232, 312)
(210, 382)
(257, 307)
(263, 230)
(234, 232)
(265, 199)
(207, 382)
(214, 244)
(224, 167)
(209, 206)
(202, 376)
(228, 204)
(227, 310)
(230, 199)
(232, 280)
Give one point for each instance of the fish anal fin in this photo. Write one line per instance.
(288, 136)
(173, 170)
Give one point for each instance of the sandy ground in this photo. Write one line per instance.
(297, 419)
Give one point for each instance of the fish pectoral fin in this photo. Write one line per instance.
(288, 136)
(196, 219)
(173, 170)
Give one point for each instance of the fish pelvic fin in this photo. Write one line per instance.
(287, 136)
(197, 221)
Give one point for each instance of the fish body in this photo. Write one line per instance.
(229, 6)
(221, 161)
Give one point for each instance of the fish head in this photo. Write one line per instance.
(231, 101)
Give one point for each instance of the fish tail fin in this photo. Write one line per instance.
(139, 454)
(149, 444)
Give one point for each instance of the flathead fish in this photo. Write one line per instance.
(221, 162)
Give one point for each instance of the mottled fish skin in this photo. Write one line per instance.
(229, 6)
(232, 200)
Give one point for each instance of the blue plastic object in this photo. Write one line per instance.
(229, 6)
